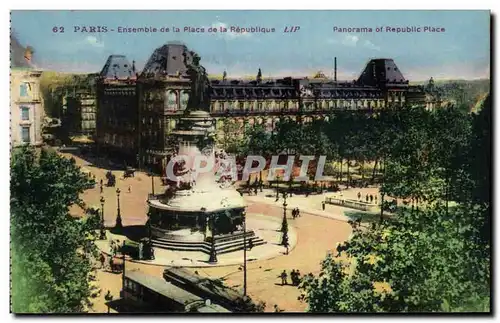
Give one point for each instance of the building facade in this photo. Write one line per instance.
(79, 114)
(162, 92)
(117, 113)
(26, 107)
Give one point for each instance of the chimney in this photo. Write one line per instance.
(335, 69)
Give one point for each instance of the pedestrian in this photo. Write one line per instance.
(293, 277)
(297, 274)
(359, 196)
(130, 189)
(298, 212)
(102, 259)
(101, 188)
(283, 277)
(371, 198)
(100, 181)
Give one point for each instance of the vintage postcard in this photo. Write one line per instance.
(250, 161)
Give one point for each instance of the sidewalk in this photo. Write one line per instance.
(311, 204)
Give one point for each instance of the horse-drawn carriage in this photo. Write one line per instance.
(129, 172)
(116, 264)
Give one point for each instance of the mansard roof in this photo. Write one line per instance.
(168, 60)
(118, 67)
(382, 72)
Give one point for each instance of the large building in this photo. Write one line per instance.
(147, 108)
(79, 113)
(117, 113)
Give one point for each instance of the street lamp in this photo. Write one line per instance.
(118, 215)
(285, 195)
(152, 183)
(284, 225)
(244, 214)
(382, 194)
(102, 233)
(277, 188)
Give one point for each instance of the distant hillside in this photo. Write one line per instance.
(460, 81)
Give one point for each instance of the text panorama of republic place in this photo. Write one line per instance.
(390, 29)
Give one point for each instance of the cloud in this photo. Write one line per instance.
(452, 71)
(93, 41)
(229, 34)
(350, 40)
(368, 44)
(353, 41)
(76, 66)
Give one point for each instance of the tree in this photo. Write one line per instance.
(231, 138)
(419, 263)
(51, 251)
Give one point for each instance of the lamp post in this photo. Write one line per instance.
(382, 195)
(285, 195)
(102, 232)
(152, 183)
(284, 225)
(118, 215)
(244, 253)
(277, 188)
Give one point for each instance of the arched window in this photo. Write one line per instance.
(184, 99)
(172, 100)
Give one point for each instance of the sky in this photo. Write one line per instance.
(462, 51)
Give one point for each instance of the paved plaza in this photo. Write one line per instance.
(314, 233)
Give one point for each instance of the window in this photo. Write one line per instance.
(25, 113)
(24, 87)
(25, 134)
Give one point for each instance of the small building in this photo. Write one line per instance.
(26, 108)
(146, 293)
(26, 105)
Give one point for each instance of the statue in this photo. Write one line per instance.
(199, 97)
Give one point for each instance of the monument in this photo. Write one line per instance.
(195, 208)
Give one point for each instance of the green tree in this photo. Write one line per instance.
(420, 263)
(51, 251)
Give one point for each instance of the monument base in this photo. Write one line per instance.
(223, 243)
